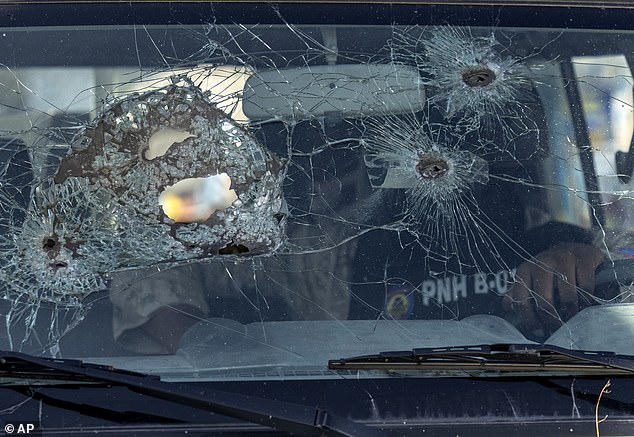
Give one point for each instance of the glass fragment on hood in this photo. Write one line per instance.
(105, 209)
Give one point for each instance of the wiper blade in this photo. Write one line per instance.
(495, 357)
(22, 369)
(285, 416)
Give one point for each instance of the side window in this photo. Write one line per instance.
(605, 88)
(561, 166)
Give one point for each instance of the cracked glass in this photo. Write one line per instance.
(235, 198)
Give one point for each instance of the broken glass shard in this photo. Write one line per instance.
(437, 177)
(469, 77)
(103, 210)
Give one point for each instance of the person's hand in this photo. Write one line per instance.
(546, 290)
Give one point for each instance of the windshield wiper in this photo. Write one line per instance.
(495, 358)
(285, 416)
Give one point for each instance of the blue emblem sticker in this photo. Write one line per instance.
(399, 301)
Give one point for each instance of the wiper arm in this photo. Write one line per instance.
(285, 416)
(495, 357)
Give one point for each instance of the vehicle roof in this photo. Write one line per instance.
(545, 3)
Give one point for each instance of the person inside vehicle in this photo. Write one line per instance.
(153, 309)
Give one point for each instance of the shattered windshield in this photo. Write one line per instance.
(271, 192)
